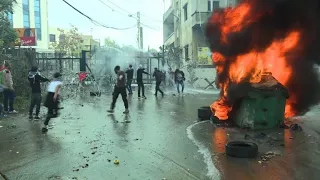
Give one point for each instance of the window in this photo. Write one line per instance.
(52, 37)
(37, 18)
(209, 5)
(10, 19)
(185, 10)
(186, 52)
(26, 13)
(215, 5)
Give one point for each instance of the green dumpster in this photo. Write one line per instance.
(260, 109)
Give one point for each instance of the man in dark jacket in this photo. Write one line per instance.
(140, 73)
(129, 73)
(158, 76)
(179, 80)
(35, 79)
(120, 88)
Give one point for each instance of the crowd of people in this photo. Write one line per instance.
(125, 79)
(35, 79)
(122, 86)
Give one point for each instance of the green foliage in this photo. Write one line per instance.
(69, 41)
(191, 66)
(110, 43)
(7, 34)
(173, 56)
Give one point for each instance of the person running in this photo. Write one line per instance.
(158, 76)
(129, 73)
(120, 88)
(35, 79)
(179, 78)
(8, 93)
(53, 99)
(140, 73)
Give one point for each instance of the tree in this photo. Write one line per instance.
(172, 56)
(7, 34)
(110, 43)
(191, 67)
(69, 41)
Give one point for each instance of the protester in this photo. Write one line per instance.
(140, 73)
(129, 73)
(53, 99)
(8, 93)
(158, 76)
(171, 77)
(35, 79)
(120, 88)
(179, 78)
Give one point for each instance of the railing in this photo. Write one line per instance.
(168, 38)
(200, 18)
(167, 13)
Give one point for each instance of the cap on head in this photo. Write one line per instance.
(116, 69)
(34, 68)
(6, 64)
(57, 75)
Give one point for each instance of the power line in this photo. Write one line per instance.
(106, 5)
(126, 11)
(94, 21)
(148, 17)
(149, 27)
(119, 7)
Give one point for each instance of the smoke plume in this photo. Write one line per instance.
(262, 22)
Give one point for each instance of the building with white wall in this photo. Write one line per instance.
(183, 28)
(32, 14)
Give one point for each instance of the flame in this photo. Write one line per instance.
(252, 65)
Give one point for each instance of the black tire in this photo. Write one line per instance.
(240, 149)
(204, 113)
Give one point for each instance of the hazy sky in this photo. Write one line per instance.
(61, 15)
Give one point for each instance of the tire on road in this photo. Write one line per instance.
(241, 149)
(204, 113)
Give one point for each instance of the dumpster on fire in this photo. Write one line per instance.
(258, 106)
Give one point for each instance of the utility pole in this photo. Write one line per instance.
(139, 30)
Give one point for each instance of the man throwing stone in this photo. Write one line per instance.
(120, 88)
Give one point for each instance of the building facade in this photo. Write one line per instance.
(32, 14)
(87, 42)
(183, 28)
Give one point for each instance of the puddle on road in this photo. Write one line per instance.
(213, 172)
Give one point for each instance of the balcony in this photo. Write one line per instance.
(200, 18)
(168, 14)
(169, 39)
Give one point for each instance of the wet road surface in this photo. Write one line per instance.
(150, 143)
(158, 139)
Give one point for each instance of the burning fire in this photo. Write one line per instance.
(250, 66)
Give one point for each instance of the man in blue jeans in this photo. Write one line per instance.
(179, 78)
(8, 93)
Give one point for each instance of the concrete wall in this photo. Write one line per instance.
(18, 21)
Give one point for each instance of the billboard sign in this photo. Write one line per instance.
(204, 56)
(26, 36)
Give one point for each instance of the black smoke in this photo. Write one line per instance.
(276, 19)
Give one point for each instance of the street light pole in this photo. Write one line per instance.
(139, 30)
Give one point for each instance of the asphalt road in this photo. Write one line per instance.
(150, 143)
(159, 139)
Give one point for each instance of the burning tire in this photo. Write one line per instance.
(240, 149)
(204, 113)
